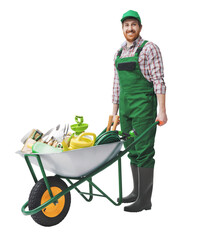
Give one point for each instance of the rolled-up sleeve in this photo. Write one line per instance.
(156, 69)
(116, 85)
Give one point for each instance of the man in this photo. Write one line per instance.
(138, 84)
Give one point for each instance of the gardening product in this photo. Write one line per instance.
(46, 203)
(34, 134)
(61, 136)
(40, 147)
(29, 139)
(65, 132)
(46, 135)
(66, 142)
(27, 148)
(113, 136)
(110, 123)
(37, 135)
(53, 139)
(81, 141)
(126, 136)
(80, 126)
(107, 137)
(27, 135)
(115, 122)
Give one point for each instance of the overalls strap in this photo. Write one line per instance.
(138, 51)
(120, 52)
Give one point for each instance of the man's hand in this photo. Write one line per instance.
(162, 117)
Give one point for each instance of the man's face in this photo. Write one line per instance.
(131, 29)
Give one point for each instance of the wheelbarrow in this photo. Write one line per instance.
(50, 198)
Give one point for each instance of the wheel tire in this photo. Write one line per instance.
(52, 214)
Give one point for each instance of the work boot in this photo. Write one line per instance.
(133, 195)
(145, 186)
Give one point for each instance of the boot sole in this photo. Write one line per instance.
(137, 210)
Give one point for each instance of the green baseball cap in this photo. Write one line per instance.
(130, 14)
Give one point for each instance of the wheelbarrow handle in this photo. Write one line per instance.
(160, 123)
(122, 153)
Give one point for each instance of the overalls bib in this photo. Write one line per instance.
(137, 108)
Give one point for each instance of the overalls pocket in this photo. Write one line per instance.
(127, 66)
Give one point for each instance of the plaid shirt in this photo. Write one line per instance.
(151, 66)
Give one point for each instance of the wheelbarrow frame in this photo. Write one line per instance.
(82, 179)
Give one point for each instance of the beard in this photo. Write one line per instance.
(131, 35)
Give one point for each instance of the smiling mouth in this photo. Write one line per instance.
(130, 33)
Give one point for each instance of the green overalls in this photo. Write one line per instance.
(137, 108)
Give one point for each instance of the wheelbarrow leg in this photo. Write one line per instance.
(90, 191)
(120, 180)
(84, 193)
(120, 186)
(103, 194)
(42, 171)
(31, 168)
(44, 176)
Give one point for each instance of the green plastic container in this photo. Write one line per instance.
(80, 126)
(40, 147)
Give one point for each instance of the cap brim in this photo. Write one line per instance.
(123, 19)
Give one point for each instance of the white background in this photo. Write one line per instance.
(56, 61)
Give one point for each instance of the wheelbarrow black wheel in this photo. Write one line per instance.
(54, 213)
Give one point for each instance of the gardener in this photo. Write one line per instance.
(138, 84)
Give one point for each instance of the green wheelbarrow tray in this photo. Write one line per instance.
(79, 165)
